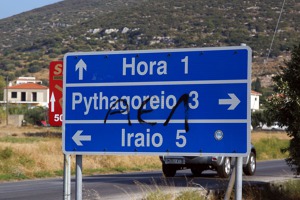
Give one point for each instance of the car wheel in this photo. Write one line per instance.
(250, 168)
(196, 171)
(168, 170)
(224, 170)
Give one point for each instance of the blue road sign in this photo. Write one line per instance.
(177, 101)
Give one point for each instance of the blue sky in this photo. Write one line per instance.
(12, 7)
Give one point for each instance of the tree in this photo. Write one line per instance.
(257, 85)
(2, 86)
(257, 118)
(35, 115)
(284, 106)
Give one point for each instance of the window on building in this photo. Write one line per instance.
(23, 96)
(14, 95)
(34, 96)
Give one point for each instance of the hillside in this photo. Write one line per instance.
(29, 41)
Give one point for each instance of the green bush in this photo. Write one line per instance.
(35, 115)
(6, 153)
(271, 148)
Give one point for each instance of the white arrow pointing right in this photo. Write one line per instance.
(233, 101)
(78, 138)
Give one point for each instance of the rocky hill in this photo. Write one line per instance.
(29, 41)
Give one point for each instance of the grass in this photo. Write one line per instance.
(188, 194)
(269, 144)
(271, 148)
(36, 156)
(288, 190)
(184, 195)
(6, 153)
(158, 194)
(168, 191)
(27, 158)
(191, 195)
(24, 157)
(9, 139)
(13, 176)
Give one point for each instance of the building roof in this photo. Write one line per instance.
(28, 86)
(255, 93)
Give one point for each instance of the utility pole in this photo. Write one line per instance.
(6, 100)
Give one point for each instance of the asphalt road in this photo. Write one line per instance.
(135, 185)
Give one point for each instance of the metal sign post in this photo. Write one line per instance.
(239, 178)
(55, 116)
(67, 177)
(78, 177)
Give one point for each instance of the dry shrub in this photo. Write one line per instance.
(120, 161)
(45, 155)
(256, 136)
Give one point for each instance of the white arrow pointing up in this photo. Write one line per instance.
(78, 138)
(80, 66)
(233, 101)
(52, 100)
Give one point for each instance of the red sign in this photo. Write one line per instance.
(55, 89)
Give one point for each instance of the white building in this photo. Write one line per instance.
(22, 80)
(28, 93)
(254, 100)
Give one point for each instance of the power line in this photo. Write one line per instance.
(275, 31)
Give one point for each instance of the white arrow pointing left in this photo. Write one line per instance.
(52, 101)
(80, 66)
(233, 101)
(78, 138)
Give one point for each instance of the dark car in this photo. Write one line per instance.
(198, 164)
